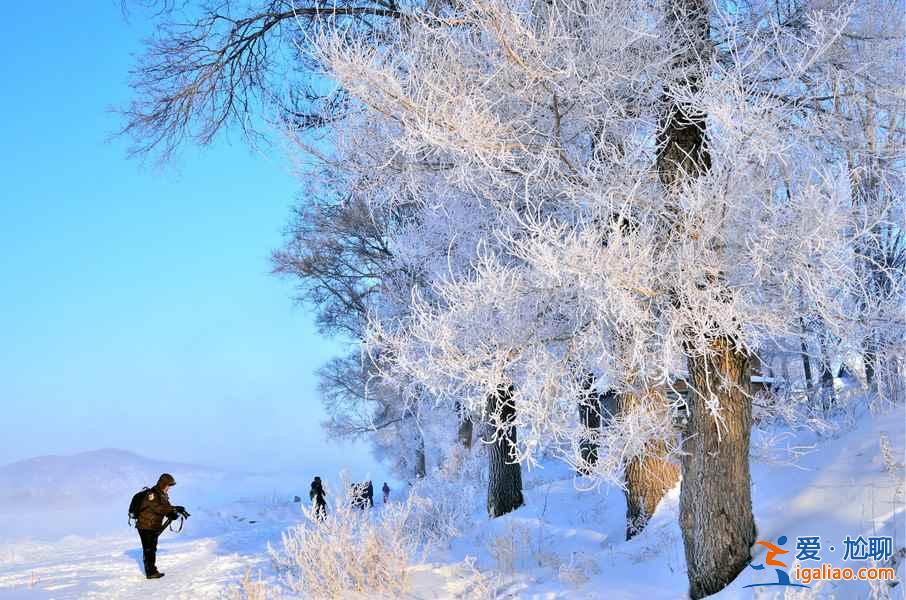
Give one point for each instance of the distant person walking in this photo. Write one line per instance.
(317, 495)
(386, 490)
(154, 508)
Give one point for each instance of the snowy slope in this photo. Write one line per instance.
(570, 544)
(564, 544)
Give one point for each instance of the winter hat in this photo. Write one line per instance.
(165, 479)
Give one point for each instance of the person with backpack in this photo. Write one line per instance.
(317, 495)
(153, 507)
(386, 490)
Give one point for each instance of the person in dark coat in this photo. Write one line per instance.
(386, 490)
(369, 493)
(317, 495)
(154, 509)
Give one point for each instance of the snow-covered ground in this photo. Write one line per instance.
(64, 532)
(571, 545)
(562, 544)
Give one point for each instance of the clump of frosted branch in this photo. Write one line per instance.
(249, 588)
(350, 550)
(513, 144)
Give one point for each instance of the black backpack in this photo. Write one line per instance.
(136, 506)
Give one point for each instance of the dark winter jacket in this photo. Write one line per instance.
(154, 509)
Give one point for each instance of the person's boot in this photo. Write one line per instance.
(150, 560)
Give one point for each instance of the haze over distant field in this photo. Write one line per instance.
(136, 308)
(87, 493)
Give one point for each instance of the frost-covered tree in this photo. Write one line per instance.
(715, 461)
(358, 406)
(337, 252)
(639, 205)
(872, 109)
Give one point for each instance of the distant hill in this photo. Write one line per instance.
(98, 476)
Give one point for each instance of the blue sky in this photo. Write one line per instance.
(136, 306)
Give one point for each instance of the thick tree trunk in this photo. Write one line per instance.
(715, 497)
(504, 473)
(649, 477)
(647, 480)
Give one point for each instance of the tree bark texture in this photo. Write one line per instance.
(647, 478)
(716, 496)
(504, 473)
